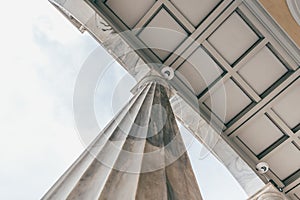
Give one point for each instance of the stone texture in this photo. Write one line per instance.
(140, 155)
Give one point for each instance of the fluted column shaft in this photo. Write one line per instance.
(139, 155)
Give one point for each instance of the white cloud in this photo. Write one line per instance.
(41, 56)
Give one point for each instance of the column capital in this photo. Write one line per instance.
(294, 7)
(154, 77)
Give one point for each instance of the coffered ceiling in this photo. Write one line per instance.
(243, 78)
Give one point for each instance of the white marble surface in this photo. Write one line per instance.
(109, 39)
(294, 6)
(140, 155)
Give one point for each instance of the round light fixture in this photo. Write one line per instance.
(262, 167)
(167, 72)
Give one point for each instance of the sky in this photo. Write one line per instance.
(41, 57)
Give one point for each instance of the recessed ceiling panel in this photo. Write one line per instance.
(259, 134)
(130, 11)
(284, 161)
(263, 70)
(233, 32)
(233, 38)
(199, 70)
(297, 192)
(195, 10)
(227, 101)
(288, 107)
(163, 34)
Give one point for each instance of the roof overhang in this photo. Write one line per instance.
(261, 105)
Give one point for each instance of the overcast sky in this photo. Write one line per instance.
(41, 56)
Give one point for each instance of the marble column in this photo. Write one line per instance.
(139, 155)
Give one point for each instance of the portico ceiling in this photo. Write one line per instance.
(244, 77)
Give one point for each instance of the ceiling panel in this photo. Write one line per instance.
(296, 192)
(285, 108)
(199, 71)
(259, 134)
(259, 98)
(262, 70)
(228, 101)
(285, 161)
(233, 38)
(163, 25)
(195, 10)
(130, 11)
